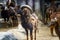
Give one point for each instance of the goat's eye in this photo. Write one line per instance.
(32, 19)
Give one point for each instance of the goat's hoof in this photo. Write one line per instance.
(54, 35)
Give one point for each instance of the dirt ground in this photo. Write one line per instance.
(43, 32)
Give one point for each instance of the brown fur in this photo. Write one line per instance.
(56, 24)
(31, 20)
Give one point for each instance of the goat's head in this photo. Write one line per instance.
(26, 11)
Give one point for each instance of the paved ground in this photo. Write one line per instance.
(43, 32)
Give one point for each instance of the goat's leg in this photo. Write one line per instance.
(35, 34)
(31, 35)
(26, 33)
(35, 31)
(51, 29)
(59, 38)
(5, 20)
(11, 21)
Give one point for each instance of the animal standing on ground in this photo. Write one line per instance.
(51, 11)
(56, 22)
(52, 26)
(26, 21)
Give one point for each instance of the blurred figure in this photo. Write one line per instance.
(13, 14)
(51, 11)
(19, 12)
(4, 14)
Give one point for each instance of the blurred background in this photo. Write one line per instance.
(39, 6)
